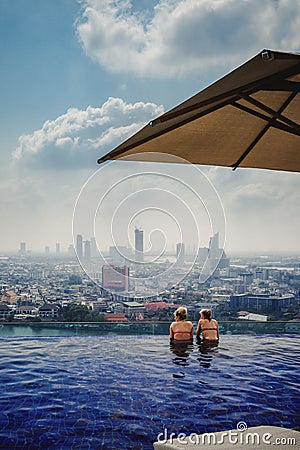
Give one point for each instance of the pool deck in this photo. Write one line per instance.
(258, 438)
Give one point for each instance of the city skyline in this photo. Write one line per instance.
(124, 251)
(176, 247)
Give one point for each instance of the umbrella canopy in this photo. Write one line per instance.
(248, 118)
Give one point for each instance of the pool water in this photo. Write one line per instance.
(119, 392)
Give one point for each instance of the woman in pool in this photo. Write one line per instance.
(207, 327)
(181, 330)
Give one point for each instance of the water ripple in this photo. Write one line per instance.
(118, 393)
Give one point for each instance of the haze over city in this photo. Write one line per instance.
(78, 78)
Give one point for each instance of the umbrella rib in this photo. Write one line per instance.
(275, 114)
(228, 91)
(118, 151)
(281, 85)
(230, 95)
(271, 122)
(250, 147)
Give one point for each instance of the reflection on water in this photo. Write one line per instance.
(183, 358)
(181, 351)
(207, 350)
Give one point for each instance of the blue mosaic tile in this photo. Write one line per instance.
(119, 393)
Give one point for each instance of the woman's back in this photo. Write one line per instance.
(208, 329)
(182, 330)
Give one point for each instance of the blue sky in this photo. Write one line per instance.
(78, 77)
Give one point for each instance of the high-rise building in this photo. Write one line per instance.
(214, 250)
(202, 255)
(79, 246)
(180, 253)
(217, 253)
(262, 303)
(94, 250)
(57, 248)
(87, 250)
(47, 250)
(71, 250)
(115, 278)
(213, 258)
(139, 245)
(22, 250)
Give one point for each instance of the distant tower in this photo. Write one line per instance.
(94, 249)
(87, 250)
(214, 250)
(47, 250)
(57, 248)
(202, 254)
(139, 245)
(79, 247)
(22, 249)
(180, 253)
(71, 250)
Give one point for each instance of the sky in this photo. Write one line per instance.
(79, 77)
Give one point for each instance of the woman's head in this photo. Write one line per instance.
(206, 313)
(181, 313)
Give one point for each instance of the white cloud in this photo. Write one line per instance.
(262, 208)
(258, 187)
(78, 137)
(185, 36)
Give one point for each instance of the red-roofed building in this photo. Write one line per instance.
(115, 317)
(154, 306)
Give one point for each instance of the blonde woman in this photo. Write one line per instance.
(181, 329)
(207, 326)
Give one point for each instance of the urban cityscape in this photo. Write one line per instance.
(122, 284)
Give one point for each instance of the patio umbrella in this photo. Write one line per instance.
(248, 118)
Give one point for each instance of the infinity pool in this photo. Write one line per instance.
(120, 392)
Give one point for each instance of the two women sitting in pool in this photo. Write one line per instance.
(182, 330)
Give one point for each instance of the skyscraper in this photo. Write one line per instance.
(79, 248)
(214, 250)
(71, 250)
(87, 250)
(215, 253)
(22, 249)
(139, 245)
(180, 253)
(94, 249)
(202, 254)
(57, 248)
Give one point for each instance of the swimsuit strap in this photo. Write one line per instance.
(205, 329)
(185, 332)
